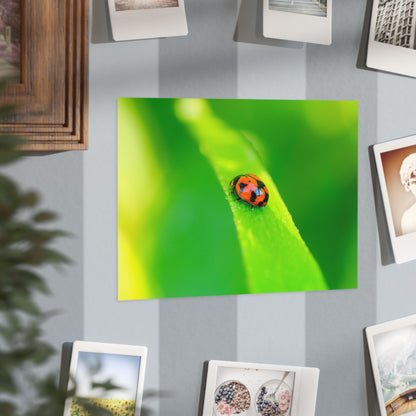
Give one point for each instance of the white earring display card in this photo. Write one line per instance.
(396, 169)
(147, 19)
(298, 20)
(392, 39)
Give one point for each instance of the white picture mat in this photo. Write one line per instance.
(404, 245)
(387, 57)
(297, 27)
(103, 348)
(148, 23)
(304, 393)
(373, 331)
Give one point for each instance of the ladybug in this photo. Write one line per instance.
(250, 189)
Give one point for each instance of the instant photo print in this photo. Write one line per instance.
(307, 21)
(396, 168)
(108, 376)
(234, 388)
(392, 349)
(392, 40)
(146, 19)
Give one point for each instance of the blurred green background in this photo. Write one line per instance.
(176, 231)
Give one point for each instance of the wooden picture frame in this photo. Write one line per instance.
(51, 100)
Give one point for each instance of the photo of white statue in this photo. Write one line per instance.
(408, 179)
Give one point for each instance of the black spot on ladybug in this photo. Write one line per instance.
(266, 198)
(234, 181)
(253, 196)
(242, 186)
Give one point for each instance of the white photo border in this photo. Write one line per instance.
(404, 245)
(373, 331)
(148, 23)
(104, 348)
(304, 392)
(297, 27)
(386, 57)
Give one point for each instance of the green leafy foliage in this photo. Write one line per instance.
(26, 247)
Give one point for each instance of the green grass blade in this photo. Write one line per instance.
(275, 256)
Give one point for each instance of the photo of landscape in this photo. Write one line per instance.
(122, 5)
(10, 38)
(95, 370)
(396, 362)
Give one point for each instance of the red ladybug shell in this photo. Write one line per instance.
(251, 189)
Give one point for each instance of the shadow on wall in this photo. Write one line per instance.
(101, 27)
(372, 404)
(362, 53)
(249, 26)
(386, 250)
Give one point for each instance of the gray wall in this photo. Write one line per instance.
(323, 329)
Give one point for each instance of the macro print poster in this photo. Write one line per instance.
(187, 228)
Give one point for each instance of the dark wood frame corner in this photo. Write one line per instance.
(51, 101)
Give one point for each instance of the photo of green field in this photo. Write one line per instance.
(84, 406)
(183, 232)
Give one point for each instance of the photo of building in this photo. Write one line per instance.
(144, 4)
(310, 7)
(396, 23)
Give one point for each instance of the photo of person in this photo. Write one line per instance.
(396, 23)
(309, 7)
(122, 5)
(10, 38)
(399, 168)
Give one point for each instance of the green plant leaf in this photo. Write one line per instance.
(8, 156)
(7, 382)
(105, 385)
(275, 256)
(39, 255)
(29, 199)
(44, 216)
(7, 408)
(24, 303)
